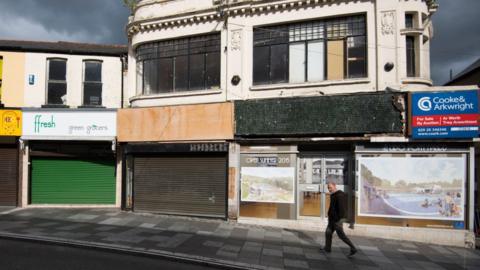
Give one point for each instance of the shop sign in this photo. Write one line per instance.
(431, 188)
(70, 123)
(445, 114)
(208, 147)
(10, 123)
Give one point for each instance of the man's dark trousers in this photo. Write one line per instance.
(336, 227)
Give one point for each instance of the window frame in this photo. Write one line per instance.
(411, 56)
(48, 81)
(336, 28)
(198, 46)
(84, 62)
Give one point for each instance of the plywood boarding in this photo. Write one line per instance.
(176, 123)
(335, 60)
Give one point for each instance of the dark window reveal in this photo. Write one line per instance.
(179, 65)
(92, 83)
(57, 83)
(310, 51)
(411, 69)
(409, 20)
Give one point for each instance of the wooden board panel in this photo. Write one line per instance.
(174, 123)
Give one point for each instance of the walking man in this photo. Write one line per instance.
(336, 217)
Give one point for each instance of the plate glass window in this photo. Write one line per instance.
(57, 84)
(92, 83)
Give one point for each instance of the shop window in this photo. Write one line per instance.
(57, 83)
(92, 83)
(311, 51)
(411, 56)
(267, 188)
(179, 65)
(426, 190)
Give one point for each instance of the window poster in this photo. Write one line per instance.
(412, 187)
(267, 184)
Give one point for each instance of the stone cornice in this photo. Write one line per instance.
(218, 12)
(221, 11)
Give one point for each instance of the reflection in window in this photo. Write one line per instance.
(92, 83)
(57, 84)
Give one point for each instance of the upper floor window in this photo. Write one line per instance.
(331, 49)
(57, 83)
(92, 83)
(409, 20)
(179, 65)
(411, 56)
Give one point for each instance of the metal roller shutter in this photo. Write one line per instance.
(181, 185)
(72, 181)
(8, 176)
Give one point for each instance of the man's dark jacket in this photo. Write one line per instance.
(338, 206)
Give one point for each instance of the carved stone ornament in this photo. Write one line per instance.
(388, 23)
(236, 41)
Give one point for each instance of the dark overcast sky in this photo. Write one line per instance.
(455, 46)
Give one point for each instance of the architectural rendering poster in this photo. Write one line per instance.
(268, 184)
(412, 187)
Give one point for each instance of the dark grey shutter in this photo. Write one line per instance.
(8, 176)
(181, 185)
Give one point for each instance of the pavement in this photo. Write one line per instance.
(222, 243)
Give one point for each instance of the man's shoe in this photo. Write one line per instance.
(325, 250)
(352, 252)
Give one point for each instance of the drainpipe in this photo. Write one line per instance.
(123, 61)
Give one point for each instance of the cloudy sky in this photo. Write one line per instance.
(455, 46)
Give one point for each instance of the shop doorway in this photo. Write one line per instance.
(314, 172)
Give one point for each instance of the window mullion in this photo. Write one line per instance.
(306, 61)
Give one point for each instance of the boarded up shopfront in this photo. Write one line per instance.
(177, 159)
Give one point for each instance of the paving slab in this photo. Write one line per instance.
(242, 246)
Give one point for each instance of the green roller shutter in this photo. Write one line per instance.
(72, 181)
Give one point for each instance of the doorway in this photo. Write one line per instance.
(314, 173)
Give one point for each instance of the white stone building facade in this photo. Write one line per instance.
(359, 59)
(387, 25)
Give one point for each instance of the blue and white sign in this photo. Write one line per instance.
(445, 114)
(31, 79)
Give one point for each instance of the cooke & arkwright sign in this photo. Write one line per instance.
(10, 123)
(445, 114)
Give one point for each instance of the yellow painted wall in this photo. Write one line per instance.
(13, 78)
